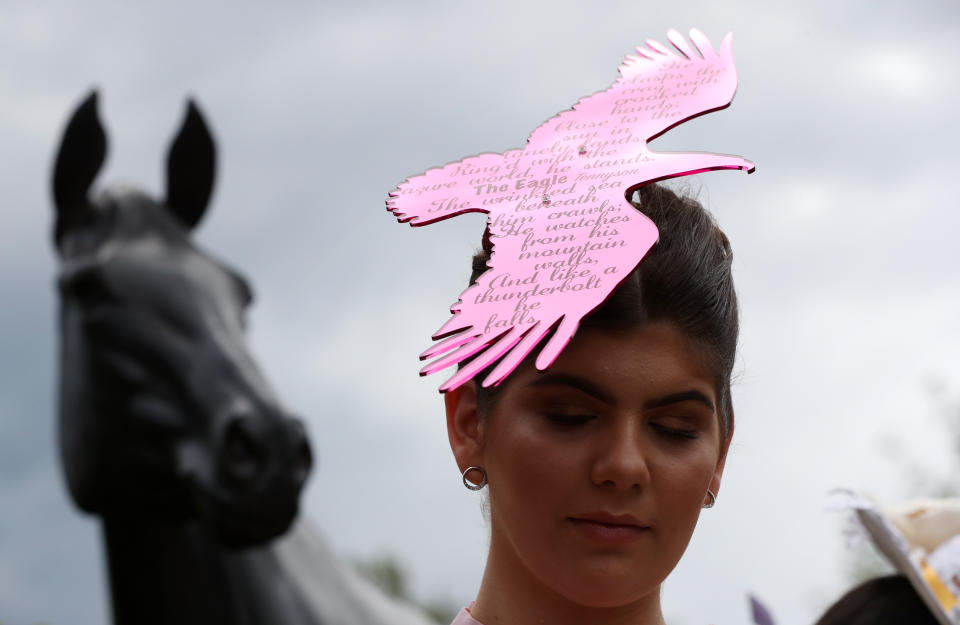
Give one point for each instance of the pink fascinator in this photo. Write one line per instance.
(563, 234)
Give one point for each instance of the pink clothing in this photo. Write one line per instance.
(464, 618)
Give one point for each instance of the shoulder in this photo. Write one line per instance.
(464, 618)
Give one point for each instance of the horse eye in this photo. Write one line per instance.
(85, 287)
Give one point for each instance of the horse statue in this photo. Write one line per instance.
(168, 429)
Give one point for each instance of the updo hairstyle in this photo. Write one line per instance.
(685, 279)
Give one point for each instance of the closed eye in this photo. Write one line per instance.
(675, 433)
(568, 419)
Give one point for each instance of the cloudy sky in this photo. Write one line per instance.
(844, 239)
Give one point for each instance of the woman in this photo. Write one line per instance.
(598, 467)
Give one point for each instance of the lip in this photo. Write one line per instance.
(610, 529)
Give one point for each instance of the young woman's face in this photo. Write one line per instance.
(598, 467)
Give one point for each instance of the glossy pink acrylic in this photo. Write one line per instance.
(563, 233)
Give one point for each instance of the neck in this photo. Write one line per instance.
(176, 574)
(164, 572)
(510, 595)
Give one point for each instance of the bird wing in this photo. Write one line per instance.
(447, 191)
(656, 57)
(659, 87)
(559, 252)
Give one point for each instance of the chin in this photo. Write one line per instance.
(608, 590)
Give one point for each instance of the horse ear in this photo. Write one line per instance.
(79, 159)
(190, 168)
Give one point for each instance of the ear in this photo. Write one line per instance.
(463, 425)
(79, 159)
(722, 461)
(191, 164)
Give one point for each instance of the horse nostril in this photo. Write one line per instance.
(241, 453)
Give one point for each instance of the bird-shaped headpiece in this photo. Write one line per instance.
(563, 234)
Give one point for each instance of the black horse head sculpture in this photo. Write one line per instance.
(163, 411)
(168, 430)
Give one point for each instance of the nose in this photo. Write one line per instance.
(621, 461)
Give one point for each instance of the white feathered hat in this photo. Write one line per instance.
(921, 539)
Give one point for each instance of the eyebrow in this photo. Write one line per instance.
(581, 384)
(676, 398)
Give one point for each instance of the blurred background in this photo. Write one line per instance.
(844, 238)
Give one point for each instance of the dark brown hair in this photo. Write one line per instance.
(685, 279)
(889, 600)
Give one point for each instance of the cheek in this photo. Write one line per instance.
(680, 484)
(526, 468)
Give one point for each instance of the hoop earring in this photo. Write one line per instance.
(713, 499)
(471, 485)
